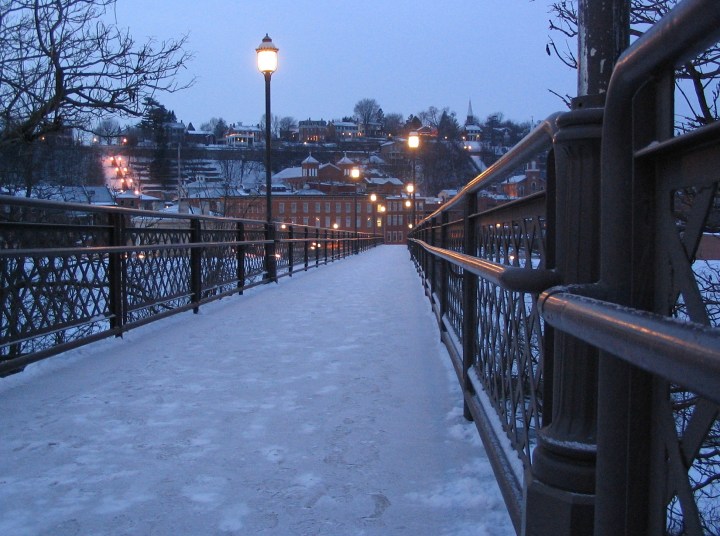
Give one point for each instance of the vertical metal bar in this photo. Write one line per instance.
(625, 412)
(270, 259)
(603, 33)
(240, 255)
(443, 288)
(469, 307)
(430, 271)
(560, 494)
(115, 275)
(196, 263)
(317, 247)
(291, 248)
(325, 244)
(305, 248)
(550, 263)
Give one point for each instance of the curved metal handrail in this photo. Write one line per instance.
(512, 278)
(680, 351)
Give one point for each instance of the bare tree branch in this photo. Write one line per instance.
(703, 71)
(62, 66)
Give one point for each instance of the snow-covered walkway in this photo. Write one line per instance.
(324, 404)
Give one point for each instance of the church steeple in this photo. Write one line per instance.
(470, 120)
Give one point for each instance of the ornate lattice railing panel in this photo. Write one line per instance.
(50, 300)
(73, 273)
(509, 362)
(687, 458)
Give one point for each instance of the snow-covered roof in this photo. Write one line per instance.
(309, 191)
(345, 160)
(129, 194)
(448, 192)
(288, 173)
(310, 160)
(215, 192)
(95, 195)
(385, 180)
(514, 179)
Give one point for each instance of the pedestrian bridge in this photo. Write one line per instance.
(324, 404)
(581, 323)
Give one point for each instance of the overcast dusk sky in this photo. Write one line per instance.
(406, 54)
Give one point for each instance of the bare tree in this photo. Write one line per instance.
(366, 111)
(431, 116)
(62, 66)
(107, 129)
(698, 80)
(217, 125)
(287, 125)
(274, 126)
(393, 123)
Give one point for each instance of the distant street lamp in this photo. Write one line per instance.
(267, 61)
(355, 174)
(413, 144)
(411, 192)
(373, 199)
(382, 209)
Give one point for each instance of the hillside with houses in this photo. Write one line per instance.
(319, 167)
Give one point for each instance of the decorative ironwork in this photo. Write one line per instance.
(657, 443)
(94, 272)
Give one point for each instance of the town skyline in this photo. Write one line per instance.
(406, 55)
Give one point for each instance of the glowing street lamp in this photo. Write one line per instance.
(411, 191)
(413, 144)
(355, 174)
(373, 199)
(267, 61)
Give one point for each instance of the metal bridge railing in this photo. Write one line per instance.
(71, 274)
(483, 272)
(584, 329)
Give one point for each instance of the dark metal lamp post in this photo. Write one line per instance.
(411, 202)
(355, 174)
(413, 144)
(267, 61)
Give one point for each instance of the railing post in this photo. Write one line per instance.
(429, 264)
(270, 264)
(325, 243)
(306, 258)
(443, 286)
(116, 278)
(196, 263)
(317, 247)
(469, 307)
(291, 250)
(240, 255)
(560, 496)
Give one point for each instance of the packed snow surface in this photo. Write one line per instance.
(321, 405)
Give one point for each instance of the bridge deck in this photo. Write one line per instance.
(324, 404)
